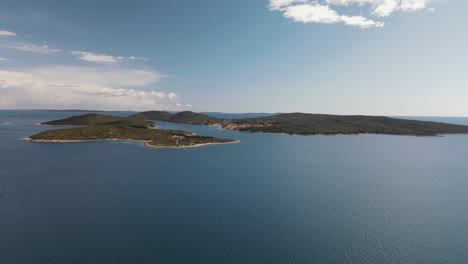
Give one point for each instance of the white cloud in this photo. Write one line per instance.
(138, 58)
(317, 13)
(95, 57)
(102, 58)
(7, 33)
(385, 7)
(172, 95)
(3, 59)
(82, 87)
(322, 11)
(279, 4)
(99, 75)
(42, 49)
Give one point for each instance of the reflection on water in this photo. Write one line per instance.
(271, 199)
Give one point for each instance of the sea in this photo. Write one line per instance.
(273, 199)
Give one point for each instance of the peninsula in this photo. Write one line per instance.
(94, 127)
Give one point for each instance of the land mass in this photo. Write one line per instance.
(314, 124)
(94, 127)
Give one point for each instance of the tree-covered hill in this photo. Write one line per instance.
(98, 119)
(152, 137)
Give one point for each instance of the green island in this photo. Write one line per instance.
(94, 127)
(314, 124)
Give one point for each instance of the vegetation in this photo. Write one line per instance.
(186, 117)
(152, 137)
(189, 117)
(313, 124)
(153, 115)
(98, 120)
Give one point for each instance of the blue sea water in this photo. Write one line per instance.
(270, 199)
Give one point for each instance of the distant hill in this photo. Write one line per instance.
(313, 124)
(189, 117)
(97, 119)
(153, 115)
(186, 117)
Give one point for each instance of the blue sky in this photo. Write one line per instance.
(378, 57)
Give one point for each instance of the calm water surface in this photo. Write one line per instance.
(271, 199)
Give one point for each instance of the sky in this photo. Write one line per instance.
(372, 57)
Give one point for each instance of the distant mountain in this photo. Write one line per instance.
(98, 119)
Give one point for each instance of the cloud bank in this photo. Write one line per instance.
(324, 11)
(63, 87)
(107, 86)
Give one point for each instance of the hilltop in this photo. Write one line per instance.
(189, 117)
(153, 115)
(186, 117)
(98, 119)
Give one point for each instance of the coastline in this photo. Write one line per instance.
(146, 143)
(192, 146)
(351, 134)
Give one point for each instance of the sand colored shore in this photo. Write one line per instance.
(192, 146)
(145, 142)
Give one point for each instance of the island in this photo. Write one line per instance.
(95, 127)
(318, 124)
(314, 124)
